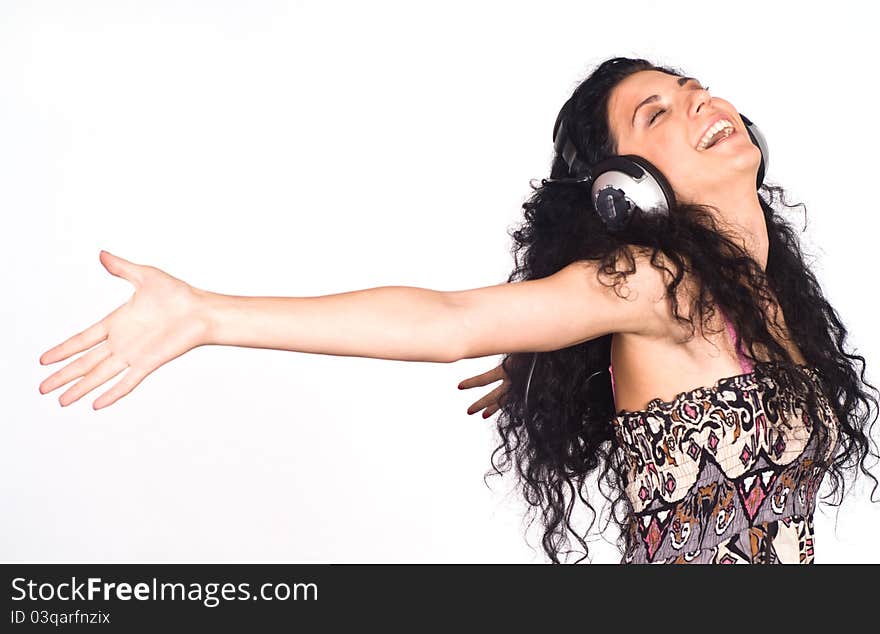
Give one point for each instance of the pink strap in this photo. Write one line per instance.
(744, 362)
(613, 389)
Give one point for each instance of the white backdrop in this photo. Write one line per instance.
(309, 148)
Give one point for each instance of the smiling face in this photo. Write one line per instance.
(667, 128)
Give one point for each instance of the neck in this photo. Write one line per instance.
(742, 214)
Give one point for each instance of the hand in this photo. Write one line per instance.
(160, 322)
(493, 400)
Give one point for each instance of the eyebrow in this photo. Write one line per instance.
(681, 82)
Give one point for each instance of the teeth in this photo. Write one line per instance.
(723, 126)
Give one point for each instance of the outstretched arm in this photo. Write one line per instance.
(402, 323)
(167, 317)
(407, 323)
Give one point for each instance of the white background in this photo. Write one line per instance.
(310, 148)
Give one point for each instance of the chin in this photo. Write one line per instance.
(746, 162)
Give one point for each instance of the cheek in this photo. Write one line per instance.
(679, 163)
(723, 103)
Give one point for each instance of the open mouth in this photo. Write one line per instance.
(721, 139)
(717, 133)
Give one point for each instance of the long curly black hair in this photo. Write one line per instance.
(566, 434)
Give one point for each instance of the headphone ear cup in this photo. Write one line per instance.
(758, 139)
(667, 200)
(623, 184)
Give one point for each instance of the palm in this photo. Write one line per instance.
(157, 324)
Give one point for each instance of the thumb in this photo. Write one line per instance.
(121, 267)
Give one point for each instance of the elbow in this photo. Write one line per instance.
(449, 349)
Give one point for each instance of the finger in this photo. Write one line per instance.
(488, 399)
(485, 378)
(125, 385)
(121, 267)
(75, 369)
(499, 402)
(105, 371)
(77, 343)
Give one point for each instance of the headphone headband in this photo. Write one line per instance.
(564, 147)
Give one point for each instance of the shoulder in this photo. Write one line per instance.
(627, 296)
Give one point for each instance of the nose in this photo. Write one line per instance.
(698, 100)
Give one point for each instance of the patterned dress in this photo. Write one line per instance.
(722, 475)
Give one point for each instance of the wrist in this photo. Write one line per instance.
(205, 315)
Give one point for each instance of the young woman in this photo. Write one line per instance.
(713, 445)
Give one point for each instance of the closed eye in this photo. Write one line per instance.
(662, 110)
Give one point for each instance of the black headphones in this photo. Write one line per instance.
(623, 186)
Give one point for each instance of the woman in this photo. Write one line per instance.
(714, 445)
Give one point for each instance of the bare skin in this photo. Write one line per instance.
(159, 323)
(166, 317)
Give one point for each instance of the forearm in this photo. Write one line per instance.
(390, 322)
